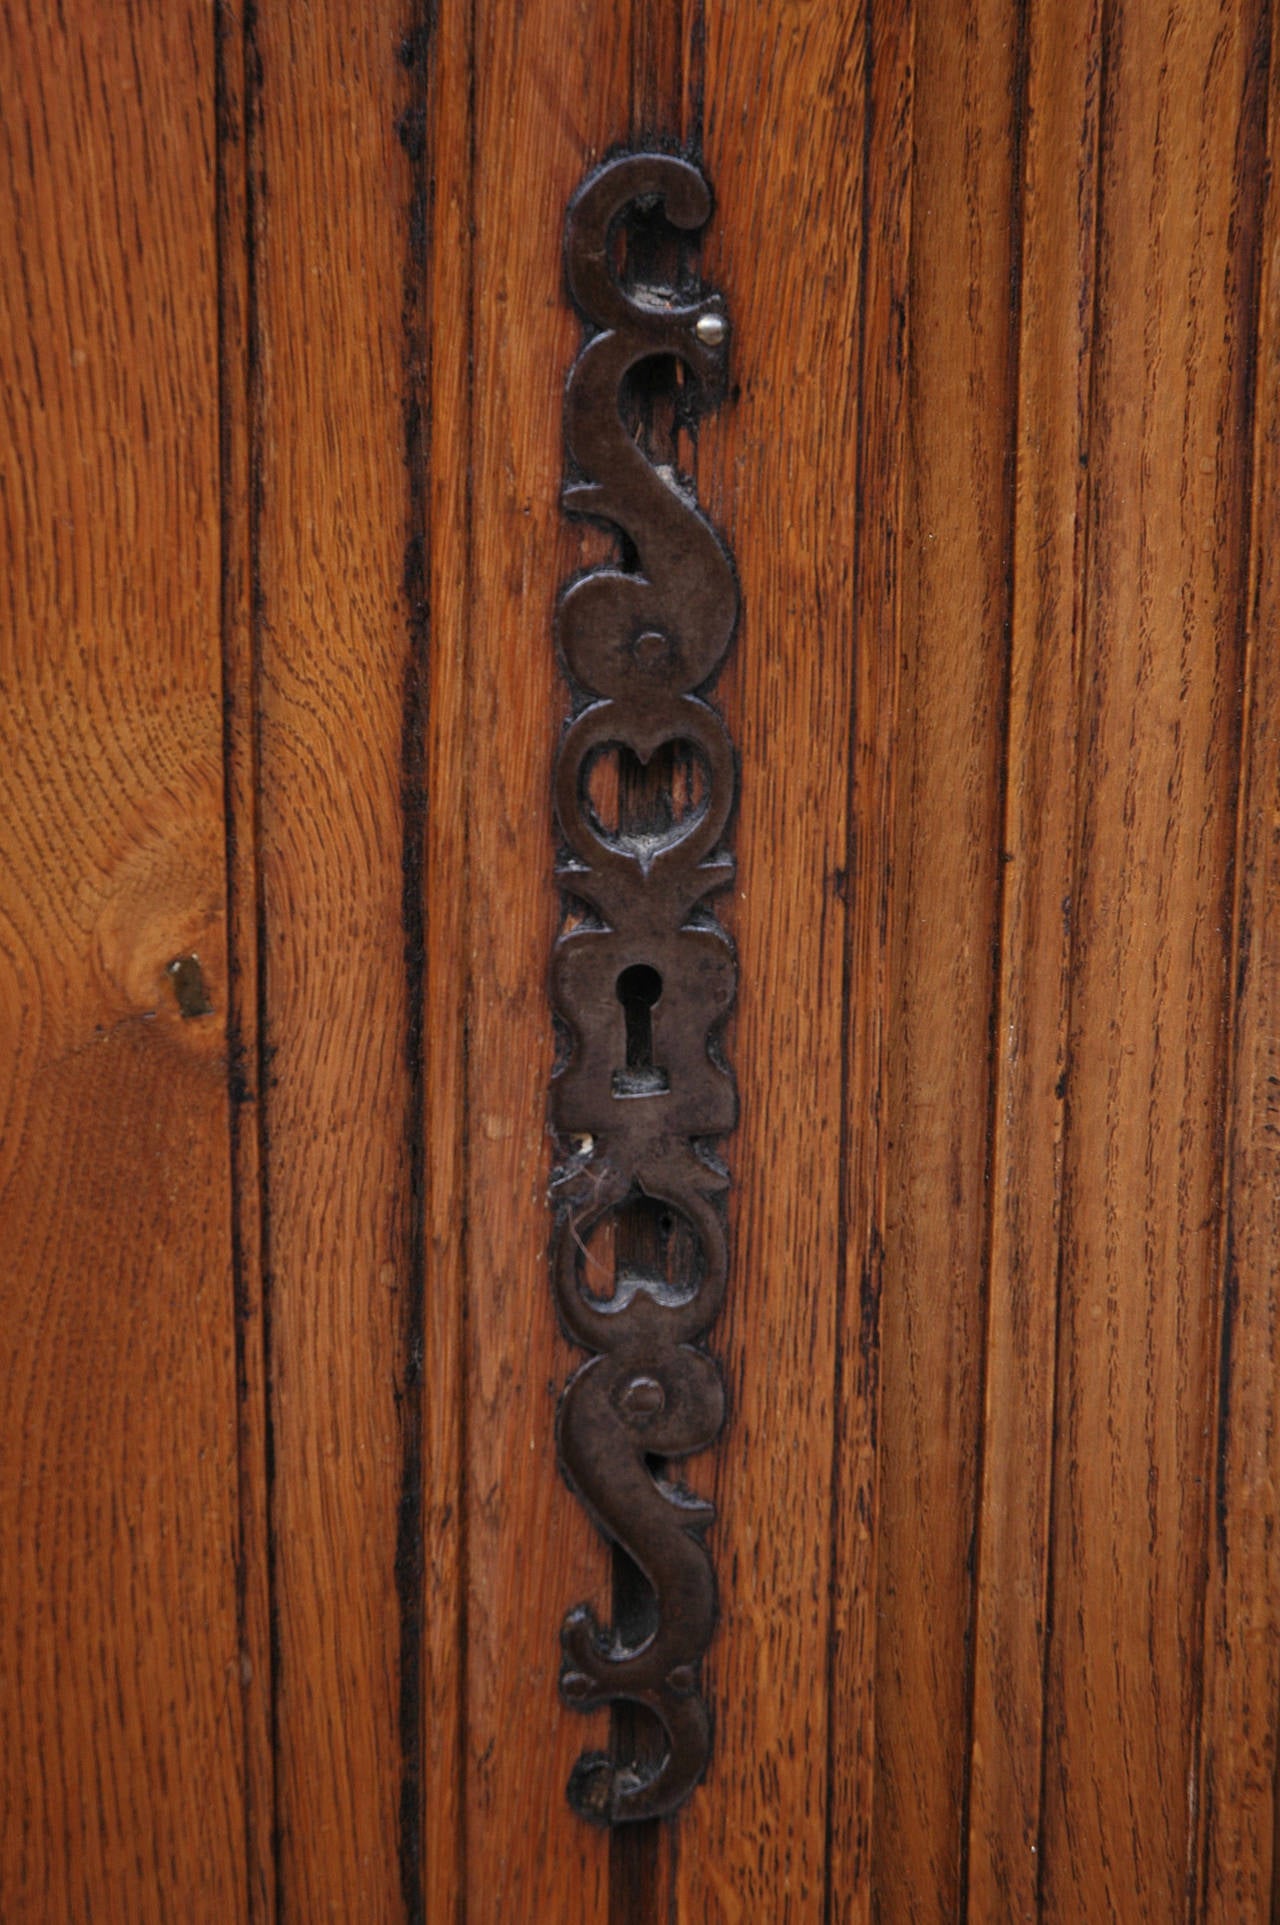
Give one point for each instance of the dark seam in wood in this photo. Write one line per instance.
(228, 138)
(1268, 188)
(693, 82)
(254, 205)
(995, 1025)
(415, 56)
(463, 1325)
(1080, 600)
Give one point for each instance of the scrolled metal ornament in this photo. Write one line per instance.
(643, 977)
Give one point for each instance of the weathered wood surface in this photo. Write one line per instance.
(285, 1550)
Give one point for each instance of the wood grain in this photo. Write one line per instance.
(877, 574)
(551, 90)
(235, 103)
(945, 929)
(286, 1551)
(776, 472)
(1236, 1855)
(438, 137)
(1169, 448)
(1056, 320)
(335, 657)
(122, 1790)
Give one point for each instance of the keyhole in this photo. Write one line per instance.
(638, 989)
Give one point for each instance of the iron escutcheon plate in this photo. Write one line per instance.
(643, 977)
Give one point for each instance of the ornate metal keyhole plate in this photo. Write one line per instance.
(643, 977)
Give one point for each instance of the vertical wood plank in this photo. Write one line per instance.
(336, 653)
(883, 324)
(1238, 1742)
(946, 924)
(121, 1737)
(551, 92)
(784, 107)
(1056, 317)
(1169, 459)
(439, 135)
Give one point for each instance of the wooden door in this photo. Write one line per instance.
(286, 1552)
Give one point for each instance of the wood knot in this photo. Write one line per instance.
(187, 977)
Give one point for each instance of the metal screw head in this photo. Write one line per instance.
(711, 329)
(643, 1397)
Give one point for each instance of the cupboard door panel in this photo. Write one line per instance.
(1169, 457)
(551, 87)
(340, 1092)
(122, 1729)
(788, 714)
(287, 1551)
(944, 920)
(1042, 776)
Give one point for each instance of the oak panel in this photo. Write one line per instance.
(877, 579)
(996, 1533)
(437, 133)
(1237, 1784)
(1056, 321)
(551, 91)
(339, 1097)
(121, 1732)
(1169, 449)
(777, 471)
(235, 104)
(945, 923)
